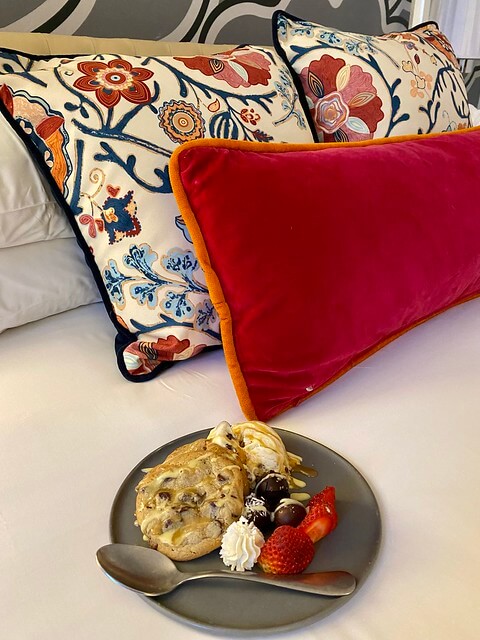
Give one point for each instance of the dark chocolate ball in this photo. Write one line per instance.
(290, 512)
(272, 488)
(256, 512)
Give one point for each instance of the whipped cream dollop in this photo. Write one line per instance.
(241, 545)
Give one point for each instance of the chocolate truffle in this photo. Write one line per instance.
(272, 488)
(256, 512)
(290, 512)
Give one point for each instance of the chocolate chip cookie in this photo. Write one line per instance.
(185, 504)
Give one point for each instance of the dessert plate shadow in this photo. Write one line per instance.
(247, 608)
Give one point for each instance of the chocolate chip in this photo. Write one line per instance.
(221, 478)
(164, 495)
(221, 525)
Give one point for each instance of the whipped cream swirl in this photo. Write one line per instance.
(241, 545)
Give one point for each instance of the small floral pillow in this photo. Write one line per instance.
(103, 128)
(360, 87)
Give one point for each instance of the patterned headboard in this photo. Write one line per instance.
(219, 21)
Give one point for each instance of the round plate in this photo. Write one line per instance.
(243, 608)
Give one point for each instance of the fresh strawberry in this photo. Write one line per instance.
(322, 515)
(325, 496)
(288, 550)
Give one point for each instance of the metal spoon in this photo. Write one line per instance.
(153, 574)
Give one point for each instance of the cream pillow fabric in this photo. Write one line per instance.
(28, 211)
(43, 278)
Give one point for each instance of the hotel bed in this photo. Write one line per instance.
(72, 428)
(407, 420)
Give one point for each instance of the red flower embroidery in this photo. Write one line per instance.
(343, 101)
(6, 97)
(240, 67)
(142, 357)
(92, 223)
(249, 116)
(112, 80)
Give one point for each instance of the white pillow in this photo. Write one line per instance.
(475, 115)
(28, 211)
(41, 279)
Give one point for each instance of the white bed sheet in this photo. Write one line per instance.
(71, 428)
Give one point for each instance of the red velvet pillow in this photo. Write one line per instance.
(318, 255)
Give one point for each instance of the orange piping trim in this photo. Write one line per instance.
(383, 343)
(215, 289)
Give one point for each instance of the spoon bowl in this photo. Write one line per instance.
(147, 571)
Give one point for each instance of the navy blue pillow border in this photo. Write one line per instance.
(296, 79)
(124, 337)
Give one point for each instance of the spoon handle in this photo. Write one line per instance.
(325, 583)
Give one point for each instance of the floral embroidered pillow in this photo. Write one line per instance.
(360, 87)
(103, 128)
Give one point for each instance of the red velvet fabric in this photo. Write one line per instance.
(324, 254)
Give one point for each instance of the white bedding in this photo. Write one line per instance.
(71, 429)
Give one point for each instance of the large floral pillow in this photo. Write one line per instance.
(103, 128)
(360, 87)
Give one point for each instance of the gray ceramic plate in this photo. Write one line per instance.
(245, 608)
